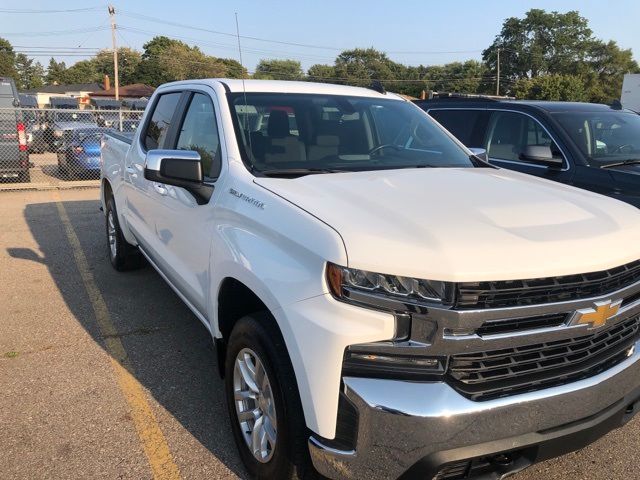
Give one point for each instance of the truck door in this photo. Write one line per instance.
(509, 134)
(141, 194)
(184, 229)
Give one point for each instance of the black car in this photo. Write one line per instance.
(591, 146)
(14, 150)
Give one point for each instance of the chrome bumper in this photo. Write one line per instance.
(419, 427)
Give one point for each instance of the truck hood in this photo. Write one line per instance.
(466, 224)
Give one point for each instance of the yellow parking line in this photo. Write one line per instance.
(151, 437)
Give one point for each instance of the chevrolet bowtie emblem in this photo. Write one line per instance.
(596, 316)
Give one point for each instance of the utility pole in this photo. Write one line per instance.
(497, 77)
(112, 14)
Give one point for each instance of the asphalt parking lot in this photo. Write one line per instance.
(108, 375)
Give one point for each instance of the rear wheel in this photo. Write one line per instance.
(123, 255)
(264, 404)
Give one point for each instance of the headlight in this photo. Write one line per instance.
(368, 287)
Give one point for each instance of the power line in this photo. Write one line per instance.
(57, 48)
(282, 42)
(54, 32)
(34, 11)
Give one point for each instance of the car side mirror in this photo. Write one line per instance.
(481, 153)
(180, 168)
(541, 154)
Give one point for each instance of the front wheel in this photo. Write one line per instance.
(264, 404)
(123, 255)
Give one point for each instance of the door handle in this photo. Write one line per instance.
(130, 170)
(160, 189)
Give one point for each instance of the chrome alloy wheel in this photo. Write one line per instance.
(255, 407)
(111, 234)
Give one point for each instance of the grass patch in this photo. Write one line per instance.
(11, 354)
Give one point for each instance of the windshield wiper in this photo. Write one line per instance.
(298, 172)
(631, 161)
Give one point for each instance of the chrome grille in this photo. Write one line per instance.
(500, 373)
(501, 294)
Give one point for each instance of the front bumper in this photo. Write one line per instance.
(417, 429)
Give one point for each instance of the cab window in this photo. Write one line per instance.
(199, 132)
(466, 125)
(160, 122)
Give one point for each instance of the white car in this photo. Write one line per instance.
(383, 302)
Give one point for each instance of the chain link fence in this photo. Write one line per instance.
(42, 148)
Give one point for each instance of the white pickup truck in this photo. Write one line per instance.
(383, 302)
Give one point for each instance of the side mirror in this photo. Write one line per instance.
(180, 168)
(481, 153)
(541, 154)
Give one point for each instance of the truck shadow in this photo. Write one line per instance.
(170, 351)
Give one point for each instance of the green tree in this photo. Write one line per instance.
(233, 68)
(360, 66)
(29, 72)
(83, 71)
(321, 73)
(279, 69)
(182, 62)
(128, 63)
(552, 43)
(55, 72)
(605, 69)
(165, 60)
(7, 59)
(459, 77)
(150, 70)
(540, 43)
(566, 88)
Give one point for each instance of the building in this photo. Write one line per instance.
(136, 90)
(80, 91)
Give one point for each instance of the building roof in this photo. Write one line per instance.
(136, 90)
(72, 87)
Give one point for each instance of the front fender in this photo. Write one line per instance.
(279, 252)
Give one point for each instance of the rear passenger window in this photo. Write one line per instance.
(160, 122)
(199, 133)
(461, 123)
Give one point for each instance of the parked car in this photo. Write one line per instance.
(107, 113)
(383, 303)
(35, 124)
(14, 151)
(591, 146)
(79, 153)
(65, 114)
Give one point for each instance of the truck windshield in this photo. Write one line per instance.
(604, 137)
(327, 133)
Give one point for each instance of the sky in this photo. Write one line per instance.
(411, 32)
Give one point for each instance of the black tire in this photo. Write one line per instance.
(290, 459)
(124, 256)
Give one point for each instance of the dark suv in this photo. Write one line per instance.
(14, 154)
(591, 146)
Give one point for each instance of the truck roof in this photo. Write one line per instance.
(235, 85)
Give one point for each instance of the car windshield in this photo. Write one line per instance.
(89, 135)
(74, 117)
(280, 133)
(604, 137)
